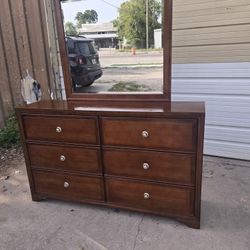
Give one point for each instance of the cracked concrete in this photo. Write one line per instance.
(138, 231)
(51, 224)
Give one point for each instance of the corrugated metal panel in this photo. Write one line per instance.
(226, 90)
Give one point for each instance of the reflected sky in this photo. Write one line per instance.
(107, 9)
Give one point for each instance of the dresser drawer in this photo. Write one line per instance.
(61, 129)
(68, 186)
(172, 134)
(64, 158)
(161, 166)
(150, 197)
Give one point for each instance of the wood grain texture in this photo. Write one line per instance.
(74, 130)
(163, 166)
(126, 108)
(23, 45)
(162, 198)
(77, 159)
(173, 181)
(170, 134)
(10, 51)
(80, 187)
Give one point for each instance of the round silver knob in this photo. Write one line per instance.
(58, 130)
(66, 184)
(62, 158)
(146, 196)
(145, 166)
(145, 134)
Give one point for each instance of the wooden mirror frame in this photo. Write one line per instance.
(167, 45)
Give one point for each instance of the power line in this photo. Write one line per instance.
(110, 4)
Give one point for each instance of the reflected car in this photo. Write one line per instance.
(84, 61)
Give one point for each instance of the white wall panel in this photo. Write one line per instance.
(225, 88)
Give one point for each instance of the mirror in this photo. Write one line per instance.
(115, 48)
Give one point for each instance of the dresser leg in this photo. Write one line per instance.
(192, 223)
(36, 197)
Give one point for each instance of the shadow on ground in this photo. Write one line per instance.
(52, 224)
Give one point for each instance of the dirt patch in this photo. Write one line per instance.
(10, 159)
(129, 87)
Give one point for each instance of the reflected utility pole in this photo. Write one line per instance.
(147, 12)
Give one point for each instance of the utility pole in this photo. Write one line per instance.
(147, 28)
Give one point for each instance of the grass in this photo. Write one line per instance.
(140, 50)
(9, 134)
(129, 87)
(136, 64)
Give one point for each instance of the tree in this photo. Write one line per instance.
(89, 16)
(131, 22)
(70, 29)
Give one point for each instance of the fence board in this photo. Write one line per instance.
(24, 44)
(22, 40)
(9, 46)
(37, 41)
(5, 93)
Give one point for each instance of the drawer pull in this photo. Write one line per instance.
(146, 196)
(62, 158)
(145, 166)
(145, 134)
(58, 130)
(66, 184)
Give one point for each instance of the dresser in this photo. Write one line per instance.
(144, 157)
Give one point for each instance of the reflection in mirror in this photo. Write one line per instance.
(114, 45)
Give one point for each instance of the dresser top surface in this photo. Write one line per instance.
(116, 107)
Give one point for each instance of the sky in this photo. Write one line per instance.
(107, 10)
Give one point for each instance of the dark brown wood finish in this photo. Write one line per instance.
(169, 134)
(113, 173)
(150, 165)
(71, 129)
(148, 196)
(158, 109)
(106, 138)
(67, 158)
(68, 185)
(167, 43)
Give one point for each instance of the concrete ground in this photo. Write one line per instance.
(150, 78)
(143, 69)
(108, 58)
(56, 225)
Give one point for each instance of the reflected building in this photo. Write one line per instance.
(104, 34)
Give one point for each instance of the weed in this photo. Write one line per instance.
(9, 134)
(129, 87)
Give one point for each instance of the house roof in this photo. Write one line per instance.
(97, 27)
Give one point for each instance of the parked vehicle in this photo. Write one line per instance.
(84, 61)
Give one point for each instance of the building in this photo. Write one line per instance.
(104, 34)
(158, 39)
(211, 63)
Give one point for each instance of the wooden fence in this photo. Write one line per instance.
(26, 45)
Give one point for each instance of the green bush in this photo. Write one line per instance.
(9, 134)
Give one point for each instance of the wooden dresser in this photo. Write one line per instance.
(142, 157)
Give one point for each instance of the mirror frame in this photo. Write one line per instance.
(125, 96)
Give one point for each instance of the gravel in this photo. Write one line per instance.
(10, 159)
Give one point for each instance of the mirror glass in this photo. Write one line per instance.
(114, 46)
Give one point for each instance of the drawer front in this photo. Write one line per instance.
(64, 158)
(151, 197)
(61, 129)
(68, 186)
(170, 134)
(160, 166)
